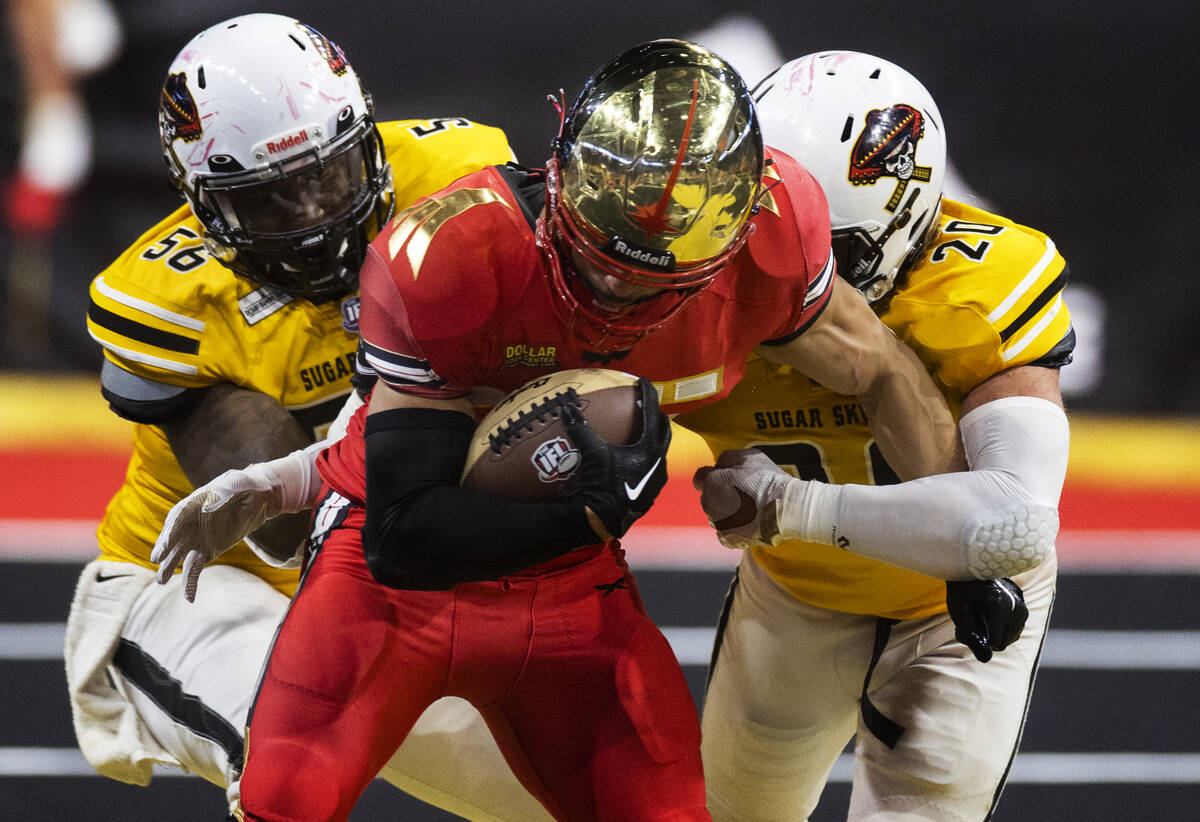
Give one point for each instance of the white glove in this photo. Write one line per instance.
(741, 496)
(213, 518)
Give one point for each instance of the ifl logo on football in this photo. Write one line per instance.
(555, 459)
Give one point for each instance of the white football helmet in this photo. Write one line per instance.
(270, 137)
(872, 136)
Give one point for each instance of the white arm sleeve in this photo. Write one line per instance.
(996, 520)
(337, 428)
(294, 477)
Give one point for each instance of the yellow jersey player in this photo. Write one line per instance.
(229, 332)
(840, 621)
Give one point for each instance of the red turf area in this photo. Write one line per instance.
(53, 484)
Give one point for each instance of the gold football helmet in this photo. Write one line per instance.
(655, 173)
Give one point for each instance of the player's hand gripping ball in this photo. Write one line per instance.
(590, 432)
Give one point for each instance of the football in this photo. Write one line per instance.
(521, 451)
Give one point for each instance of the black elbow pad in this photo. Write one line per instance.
(409, 452)
(424, 532)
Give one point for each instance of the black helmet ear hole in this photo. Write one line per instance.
(224, 163)
(345, 121)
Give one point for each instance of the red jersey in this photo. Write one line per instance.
(456, 297)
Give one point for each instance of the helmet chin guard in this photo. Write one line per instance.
(599, 326)
(655, 173)
(271, 139)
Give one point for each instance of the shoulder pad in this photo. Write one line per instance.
(428, 155)
(141, 400)
(442, 269)
(791, 236)
(149, 308)
(1010, 274)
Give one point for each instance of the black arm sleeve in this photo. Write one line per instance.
(423, 532)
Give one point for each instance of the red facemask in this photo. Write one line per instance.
(599, 327)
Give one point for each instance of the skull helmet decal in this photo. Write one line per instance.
(887, 147)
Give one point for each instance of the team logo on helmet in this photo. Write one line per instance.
(181, 119)
(327, 49)
(887, 147)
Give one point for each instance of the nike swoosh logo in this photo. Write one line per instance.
(102, 578)
(634, 492)
(744, 515)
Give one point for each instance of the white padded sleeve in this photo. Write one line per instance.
(998, 519)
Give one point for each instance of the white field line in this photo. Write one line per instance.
(1029, 768)
(1077, 650)
(652, 547)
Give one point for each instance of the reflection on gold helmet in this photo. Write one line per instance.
(662, 151)
(655, 174)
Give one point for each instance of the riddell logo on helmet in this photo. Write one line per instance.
(645, 257)
(291, 141)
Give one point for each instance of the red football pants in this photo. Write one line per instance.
(580, 689)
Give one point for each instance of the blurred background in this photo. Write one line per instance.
(1075, 122)
(1073, 119)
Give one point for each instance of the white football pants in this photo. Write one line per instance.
(191, 671)
(783, 702)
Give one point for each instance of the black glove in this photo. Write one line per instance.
(988, 614)
(619, 482)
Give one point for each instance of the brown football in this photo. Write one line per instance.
(521, 451)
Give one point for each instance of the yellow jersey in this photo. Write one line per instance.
(985, 296)
(166, 312)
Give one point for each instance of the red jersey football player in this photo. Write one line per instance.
(659, 242)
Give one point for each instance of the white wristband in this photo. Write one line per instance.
(294, 477)
(809, 511)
